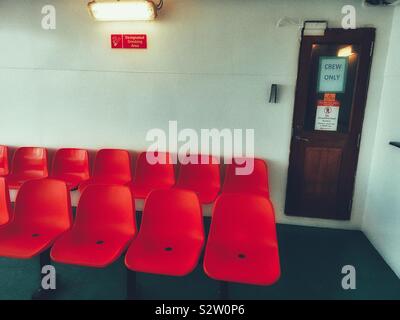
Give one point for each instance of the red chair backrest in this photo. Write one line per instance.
(255, 182)
(242, 220)
(33, 159)
(110, 207)
(44, 202)
(172, 213)
(5, 208)
(113, 163)
(157, 174)
(200, 174)
(3, 161)
(71, 161)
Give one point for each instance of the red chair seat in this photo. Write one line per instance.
(206, 195)
(242, 245)
(71, 180)
(171, 235)
(112, 166)
(256, 182)
(258, 265)
(5, 207)
(110, 180)
(71, 165)
(15, 181)
(151, 176)
(201, 178)
(168, 257)
(3, 161)
(140, 191)
(29, 163)
(42, 213)
(105, 224)
(27, 242)
(97, 249)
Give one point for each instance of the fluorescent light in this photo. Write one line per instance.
(141, 10)
(314, 28)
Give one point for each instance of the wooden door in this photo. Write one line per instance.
(331, 92)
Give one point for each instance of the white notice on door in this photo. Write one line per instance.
(327, 115)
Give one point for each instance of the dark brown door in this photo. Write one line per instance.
(331, 93)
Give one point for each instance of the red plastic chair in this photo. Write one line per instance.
(3, 161)
(171, 234)
(242, 245)
(5, 207)
(149, 177)
(256, 182)
(42, 213)
(204, 179)
(105, 224)
(71, 166)
(29, 163)
(112, 166)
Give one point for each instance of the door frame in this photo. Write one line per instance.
(365, 37)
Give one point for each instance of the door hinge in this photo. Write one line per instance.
(372, 48)
(359, 140)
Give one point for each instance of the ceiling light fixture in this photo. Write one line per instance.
(130, 10)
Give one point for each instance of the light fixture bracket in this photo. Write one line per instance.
(314, 28)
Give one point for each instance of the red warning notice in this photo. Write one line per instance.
(116, 41)
(129, 41)
(327, 115)
(135, 41)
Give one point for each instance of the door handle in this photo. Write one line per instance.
(302, 139)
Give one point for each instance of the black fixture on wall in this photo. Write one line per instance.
(395, 143)
(273, 97)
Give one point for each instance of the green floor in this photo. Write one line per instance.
(311, 259)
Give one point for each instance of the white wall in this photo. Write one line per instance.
(382, 209)
(209, 64)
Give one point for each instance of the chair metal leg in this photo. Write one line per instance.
(223, 290)
(44, 259)
(130, 284)
(40, 293)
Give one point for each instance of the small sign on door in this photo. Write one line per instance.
(332, 74)
(327, 115)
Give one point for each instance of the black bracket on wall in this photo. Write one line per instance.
(395, 143)
(273, 97)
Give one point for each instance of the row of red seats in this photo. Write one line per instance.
(241, 247)
(114, 166)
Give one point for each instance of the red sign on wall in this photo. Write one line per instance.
(129, 41)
